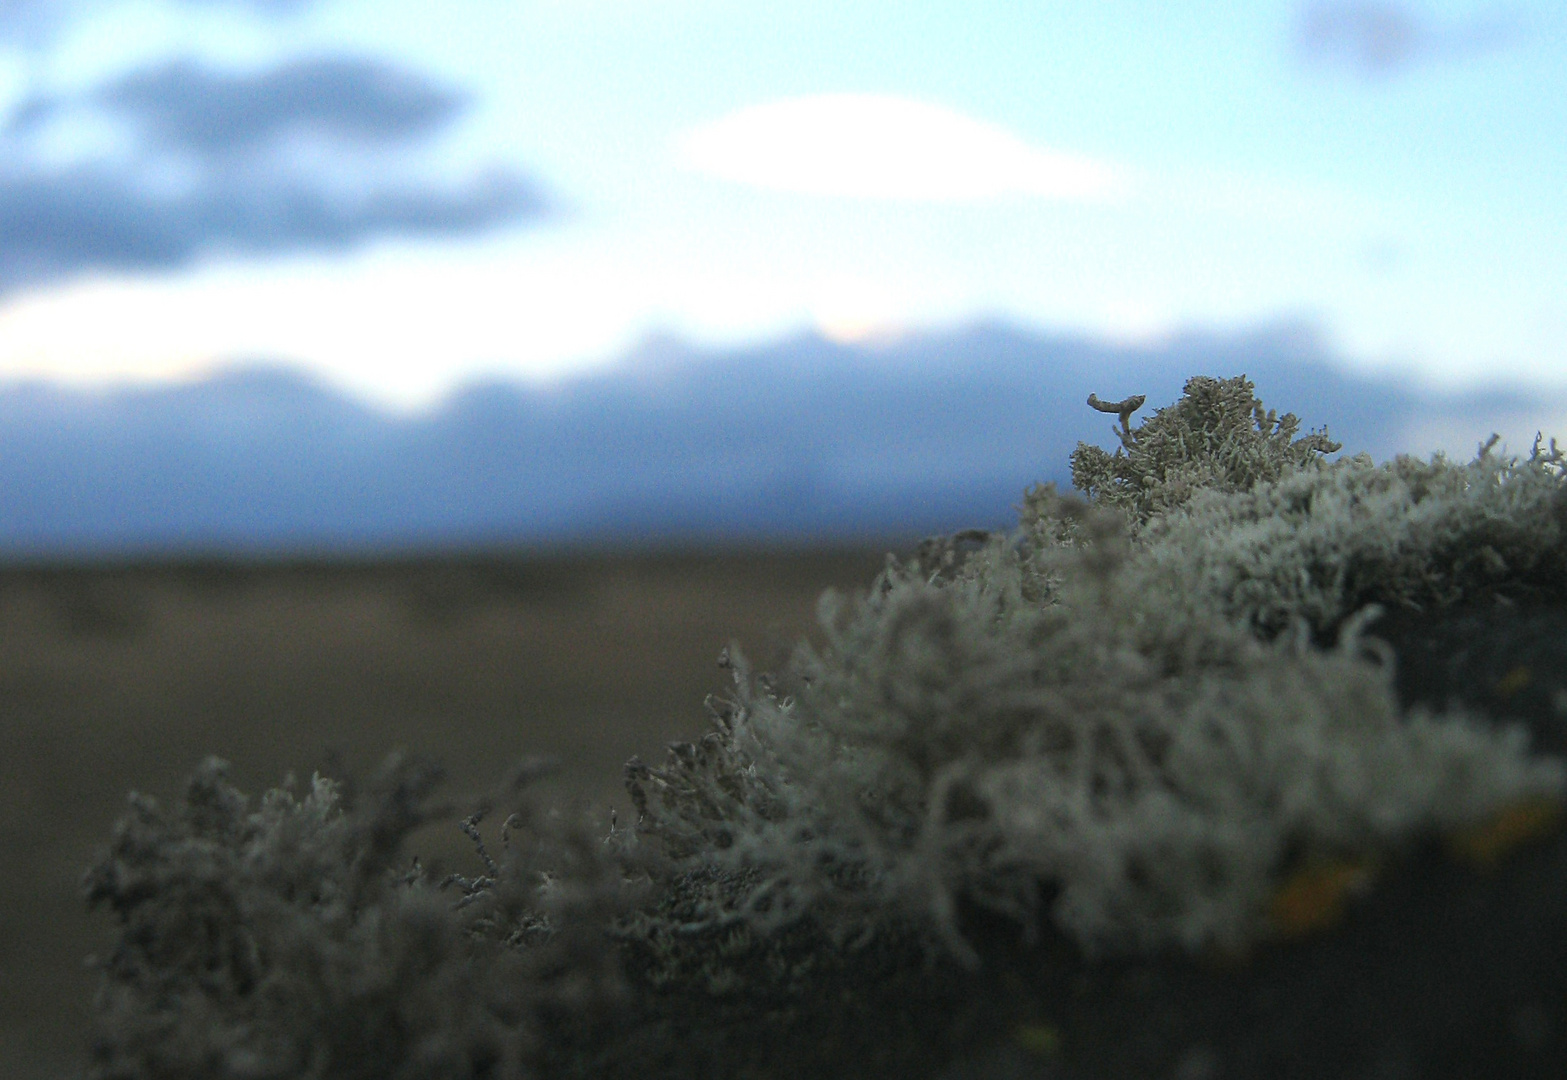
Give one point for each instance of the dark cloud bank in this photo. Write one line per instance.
(189, 107)
(226, 136)
(799, 441)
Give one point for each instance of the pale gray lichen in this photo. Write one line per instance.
(1133, 715)
(1320, 543)
(289, 939)
(1118, 711)
(1217, 437)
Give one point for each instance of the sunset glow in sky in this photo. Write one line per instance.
(403, 196)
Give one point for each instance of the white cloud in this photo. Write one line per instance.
(884, 147)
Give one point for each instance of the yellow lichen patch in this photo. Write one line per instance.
(1312, 898)
(1515, 680)
(1041, 1039)
(1486, 843)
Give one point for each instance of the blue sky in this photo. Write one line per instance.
(404, 196)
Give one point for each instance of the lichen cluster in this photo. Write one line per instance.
(1157, 719)
(1217, 437)
(292, 937)
(1117, 713)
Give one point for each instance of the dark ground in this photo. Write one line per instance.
(119, 680)
(122, 678)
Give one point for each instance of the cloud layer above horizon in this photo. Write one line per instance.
(298, 156)
(400, 196)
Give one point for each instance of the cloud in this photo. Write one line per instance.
(884, 147)
(1379, 38)
(184, 105)
(216, 165)
(93, 219)
(181, 105)
(36, 24)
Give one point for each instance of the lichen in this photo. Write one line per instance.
(1118, 712)
(1217, 437)
(1156, 717)
(1321, 543)
(290, 939)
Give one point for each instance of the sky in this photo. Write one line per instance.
(401, 197)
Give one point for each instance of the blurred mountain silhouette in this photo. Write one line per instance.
(799, 441)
